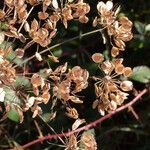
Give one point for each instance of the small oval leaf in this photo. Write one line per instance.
(13, 114)
(141, 74)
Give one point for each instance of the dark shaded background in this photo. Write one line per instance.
(120, 132)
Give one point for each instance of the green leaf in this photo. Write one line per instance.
(58, 52)
(46, 117)
(141, 74)
(22, 81)
(11, 97)
(140, 27)
(13, 100)
(91, 131)
(147, 28)
(3, 26)
(13, 114)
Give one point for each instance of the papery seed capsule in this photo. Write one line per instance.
(114, 51)
(127, 71)
(119, 69)
(19, 52)
(42, 15)
(95, 104)
(26, 26)
(2, 14)
(38, 56)
(97, 57)
(83, 19)
(126, 85)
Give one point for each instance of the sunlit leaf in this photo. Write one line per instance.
(11, 96)
(140, 27)
(13, 114)
(22, 81)
(147, 28)
(141, 74)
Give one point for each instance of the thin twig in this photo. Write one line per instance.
(56, 45)
(23, 22)
(86, 127)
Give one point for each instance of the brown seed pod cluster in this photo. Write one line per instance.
(64, 87)
(7, 72)
(110, 90)
(86, 142)
(119, 31)
(52, 11)
(63, 84)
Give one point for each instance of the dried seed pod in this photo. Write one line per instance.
(38, 56)
(30, 101)
(34, 25)
(35, 90)
(26, 26)
(88, 141)
(2, 14)
(33, 2)
(114, 51)
(72, 144)
(36, 80)
(112, 106)
(97, 57)
(72, 113)
(75, 99)
(117, 61)
(107, 66)
(77, 123)
(43, 15)
(83, 19)
(120, 44)
(45, 96)
(127, 72)
(53, 33)
(95, 22)
(36, 111)
(19, 52)
(53, 58)
(119, 69)
(95, 104)
(126, 85)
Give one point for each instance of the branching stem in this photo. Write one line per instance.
(56, 45)
(86, 127)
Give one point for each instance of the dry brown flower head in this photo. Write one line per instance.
(110, 91)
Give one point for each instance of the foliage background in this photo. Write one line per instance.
(122, 131)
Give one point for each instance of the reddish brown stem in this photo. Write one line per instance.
(86, 127)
